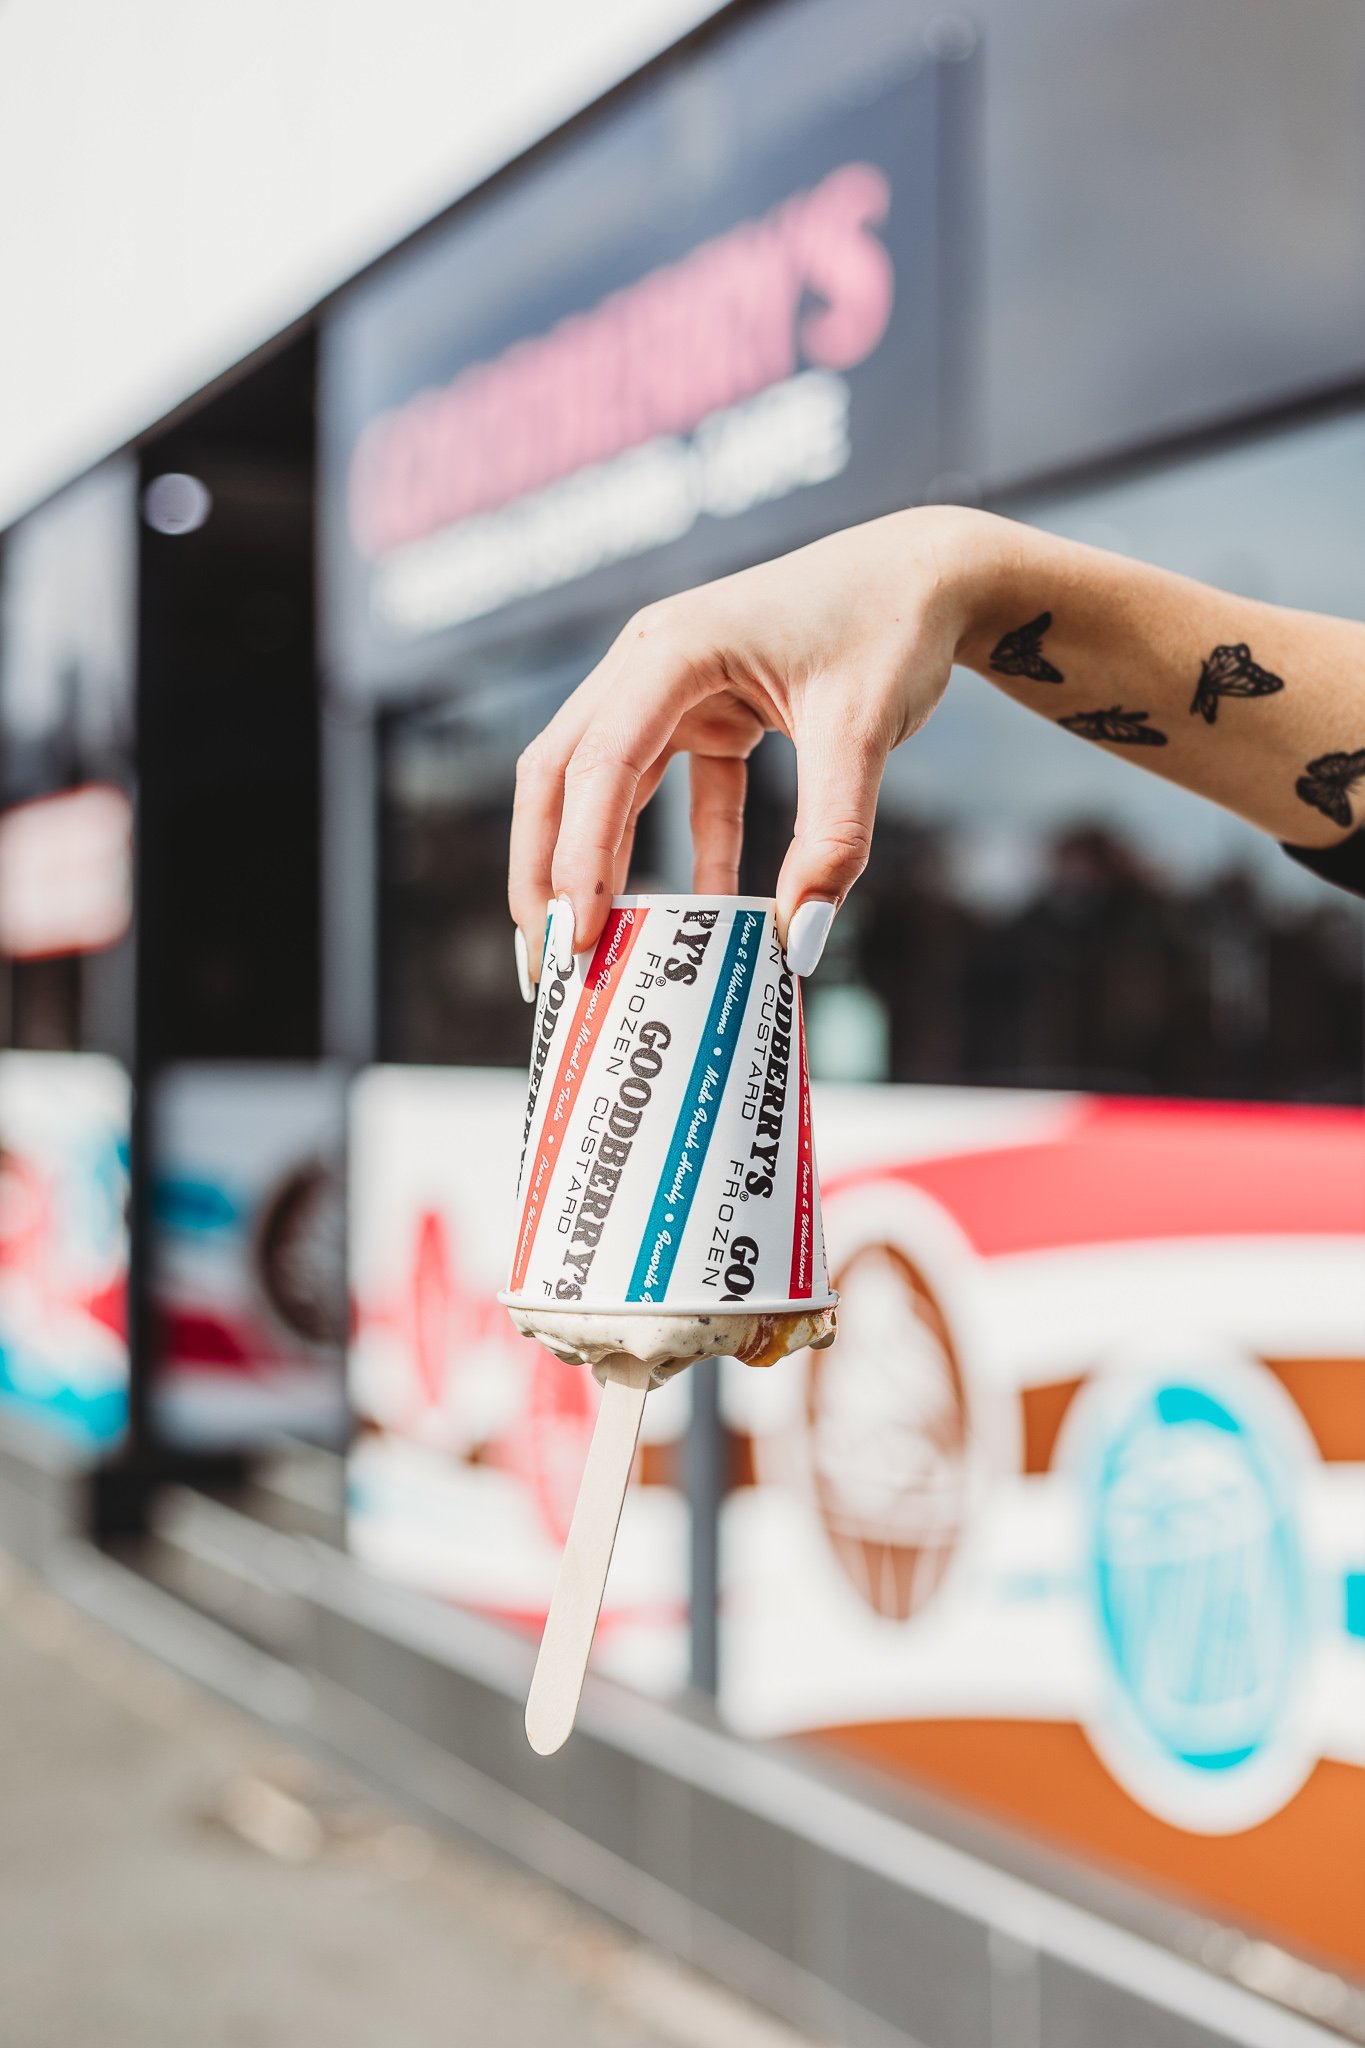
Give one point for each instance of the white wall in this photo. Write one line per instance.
(181, 178)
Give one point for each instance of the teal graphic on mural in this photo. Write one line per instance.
(1198, 1578)
(64, 1160)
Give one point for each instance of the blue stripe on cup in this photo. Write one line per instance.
(687, 1150)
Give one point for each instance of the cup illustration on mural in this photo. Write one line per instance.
(905, 1433)
(667, 1205)
(889, 1435)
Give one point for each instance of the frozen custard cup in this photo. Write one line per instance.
(667, 1206)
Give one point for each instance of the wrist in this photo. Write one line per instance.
(975, 562)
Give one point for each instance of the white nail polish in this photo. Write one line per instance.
(806, 935)
(528, 987)
(561, 934)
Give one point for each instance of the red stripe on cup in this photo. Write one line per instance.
(803, 1222)
(613, 950)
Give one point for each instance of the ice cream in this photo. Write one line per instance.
(666, 1343)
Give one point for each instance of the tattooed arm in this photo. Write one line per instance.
(1260, 708)
(847, 646)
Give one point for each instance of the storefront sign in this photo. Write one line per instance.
(470, 1440)
(624, 371)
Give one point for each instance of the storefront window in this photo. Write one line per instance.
(448, 991)
(1038, 914)
(67, 604)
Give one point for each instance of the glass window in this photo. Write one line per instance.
(448, 990)
(1035, 913)
(68, 589)
(1038, 913)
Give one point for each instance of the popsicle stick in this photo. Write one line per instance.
(571, 1623)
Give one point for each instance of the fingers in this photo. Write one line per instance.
(718, 788)
(582, 783)
(839, 773)
(535, 827)
(628, 738)
(649, 782)
(539, 802)
(601, 786)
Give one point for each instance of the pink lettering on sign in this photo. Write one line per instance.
(810, 283)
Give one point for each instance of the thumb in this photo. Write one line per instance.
(839, 767)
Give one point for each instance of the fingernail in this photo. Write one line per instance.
(561, 935)
(528, 987)
(806, 935)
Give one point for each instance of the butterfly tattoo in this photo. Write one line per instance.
(1328, 782)
(1231, 672)
(1120, 728)
(1020, 653)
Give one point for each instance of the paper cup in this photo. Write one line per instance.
(667, 1162)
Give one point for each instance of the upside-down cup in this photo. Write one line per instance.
(667, 1204)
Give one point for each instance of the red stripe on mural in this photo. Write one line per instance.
(803, 1222)
(1131, 1171)
(613, 950)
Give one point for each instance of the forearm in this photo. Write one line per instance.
(847, 645)
(1259, 708)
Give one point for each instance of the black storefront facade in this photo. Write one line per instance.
(172, 1140)
(810, 266)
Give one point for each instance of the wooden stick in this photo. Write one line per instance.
(571, 1623)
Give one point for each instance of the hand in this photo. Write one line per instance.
(845, 646)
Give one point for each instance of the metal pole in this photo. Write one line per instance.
(705, 1452)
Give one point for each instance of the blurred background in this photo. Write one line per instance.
(997, 1677)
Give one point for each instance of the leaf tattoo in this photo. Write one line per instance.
(1327, 784)
(1231, 672)
(1020, 653)
(1120, 728)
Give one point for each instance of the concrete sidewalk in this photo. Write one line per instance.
(170, 1877)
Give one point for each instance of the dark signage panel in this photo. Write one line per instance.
(702, 330)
